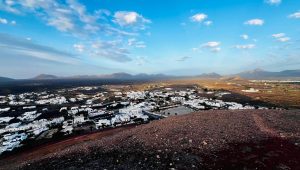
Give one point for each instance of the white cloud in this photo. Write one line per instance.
(284, 39)
(71, 17)
(140, 44)
(273, 2)
(46, 56)
(198, 17)
(16, 47)
(255, 22)
(33, 4)
(62, 23)
(281, 37)
(245, 36)
(7, 5)
(134, 43)
(79, 47)
(68, 16)
(127, 18)
(247, 46)
(81, 12)
(295, 15)
(91, 28)
(55, 14)
(3, 21)
(213, 46)
(112, 50)
(208, 23)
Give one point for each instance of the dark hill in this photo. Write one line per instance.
(5, 79)
(209, 75)
(45, 77)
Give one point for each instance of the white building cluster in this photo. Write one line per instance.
(201, 104)
(13, 134)
(136, 95)
(28, 116)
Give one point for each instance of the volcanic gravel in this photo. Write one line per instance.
(215, 139)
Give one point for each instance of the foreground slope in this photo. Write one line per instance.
(209, 139)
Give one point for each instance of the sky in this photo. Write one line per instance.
(175, 37)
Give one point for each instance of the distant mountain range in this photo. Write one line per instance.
(257, 74)
(126, 76)
(120, 76)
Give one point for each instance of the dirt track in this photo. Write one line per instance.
(209, 139)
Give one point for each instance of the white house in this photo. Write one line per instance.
(4, 109)
(79, 119)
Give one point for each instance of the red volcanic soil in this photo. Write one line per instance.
(12, 161)
(216, 139)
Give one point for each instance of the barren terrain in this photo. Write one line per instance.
(263, 139)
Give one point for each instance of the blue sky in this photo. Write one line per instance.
(87, 37)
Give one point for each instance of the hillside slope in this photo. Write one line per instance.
(209, 139)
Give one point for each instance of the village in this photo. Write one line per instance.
(35, 116)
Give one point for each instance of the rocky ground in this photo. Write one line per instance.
(248, 139)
